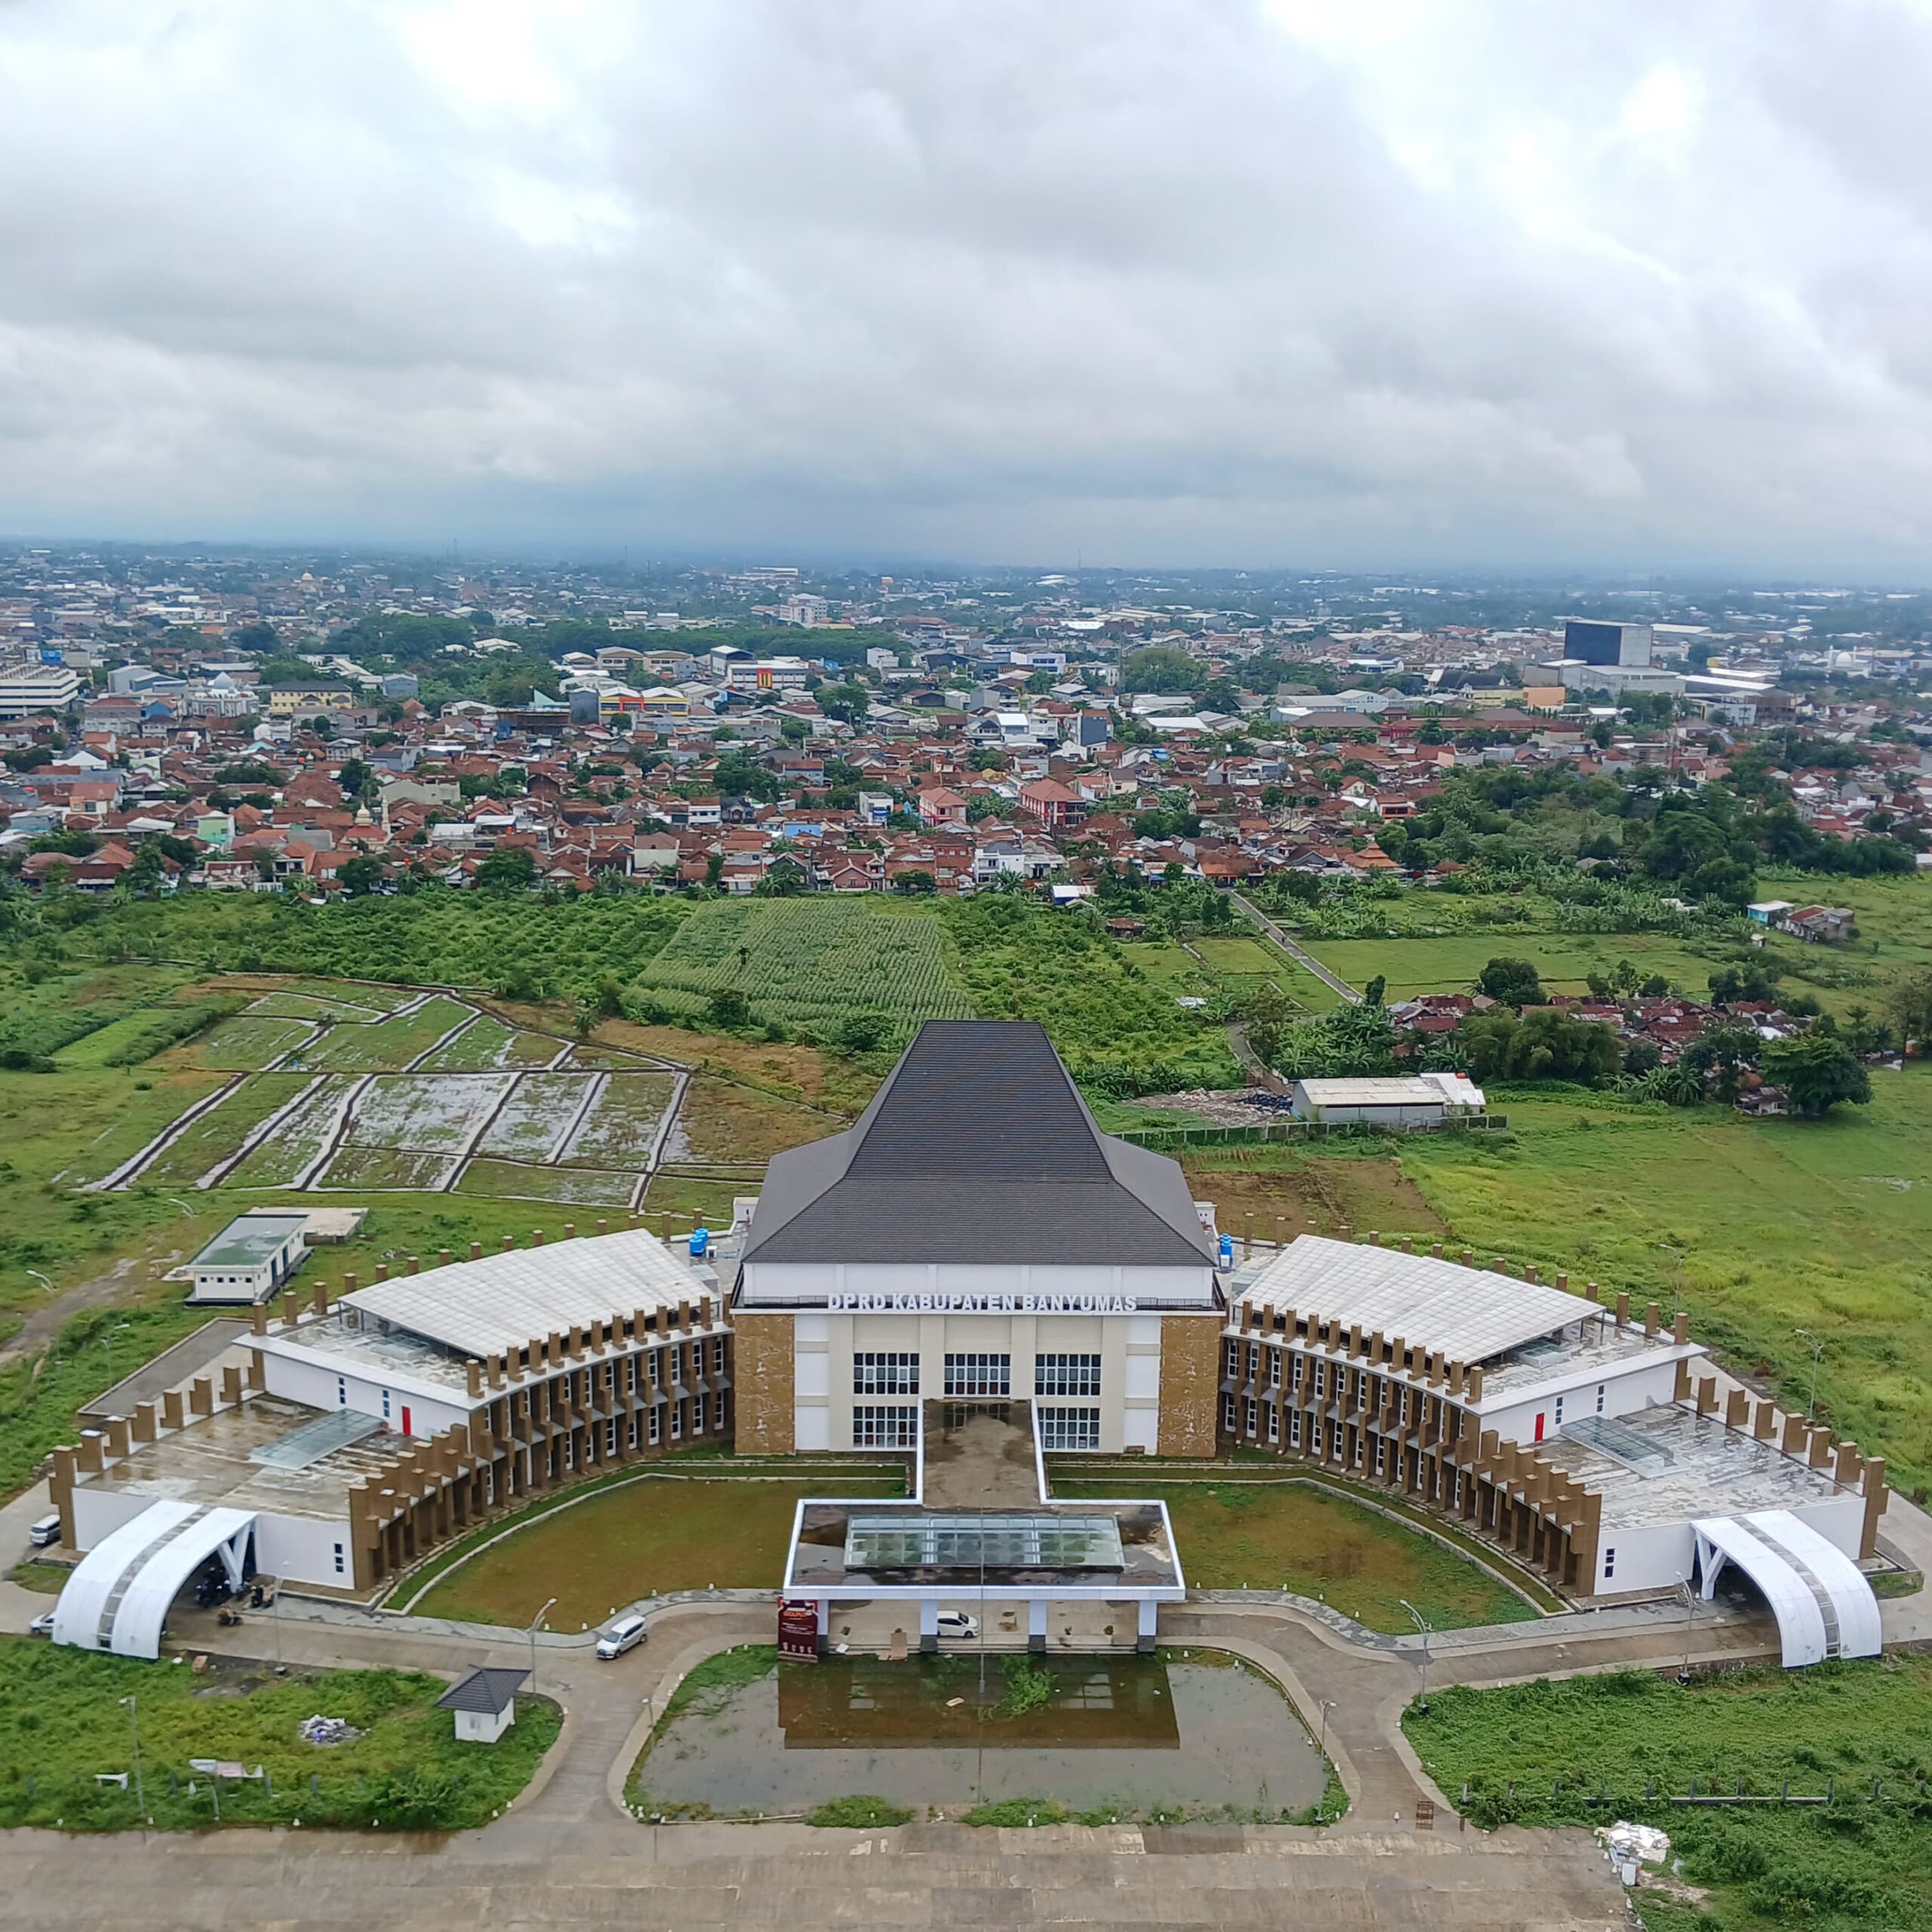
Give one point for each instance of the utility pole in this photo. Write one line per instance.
(536, 1624)
(1817, 1352)
(140, 1790)
(1422, 1623)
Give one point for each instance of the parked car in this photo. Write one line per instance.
(624, 1634)
(46, 1532)
(42, 1625)
(957, 1623)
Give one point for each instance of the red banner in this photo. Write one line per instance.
(798, 1628)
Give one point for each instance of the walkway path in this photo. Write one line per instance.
(1300, 956)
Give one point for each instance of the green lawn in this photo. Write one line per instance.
(1565, 960)
(1272, 1534)
(63, 1721)
(1780, 1225)
(637, 1539)
(1858, 1863)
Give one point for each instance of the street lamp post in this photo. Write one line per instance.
(140, 1790)
(1422, 1623)
(1328, 1705)
(536, 1624)
(1689, 1624)
(1817, 1354)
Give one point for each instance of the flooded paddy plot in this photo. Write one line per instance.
(1177, 1733)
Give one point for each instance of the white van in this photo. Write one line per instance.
(624, 1634)
(46, 1532)
(957, 1623)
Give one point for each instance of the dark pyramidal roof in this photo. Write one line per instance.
(978, 1148)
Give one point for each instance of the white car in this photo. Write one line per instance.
(43, 1624)
(624, 1634)
(957, 1623)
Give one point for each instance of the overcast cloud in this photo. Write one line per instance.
(1320, 281)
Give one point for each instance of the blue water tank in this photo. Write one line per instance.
(701, 1240)
(1227, 1251)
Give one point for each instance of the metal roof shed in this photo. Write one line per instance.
(484, 1703)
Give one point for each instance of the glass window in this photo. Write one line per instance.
(1069, 1428)
(1600, 1388)
(1231, 1358)
(1066, 1375)
(979, 1375)
(718, 1355)
(1254, 1359)
(884, 1425)
(339, 1563)
(657, 1422)
(1274, 1424)
(611, 1437)
(1294, 1429)
(1253, 1416)
(1609, 1564)
(697, 1415)
(1274, 1368)
(1228, 1413)
(885, 1374)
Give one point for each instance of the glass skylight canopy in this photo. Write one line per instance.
(989, 1542)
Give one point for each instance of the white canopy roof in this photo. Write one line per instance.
(1824, 1606)
(118, 1596)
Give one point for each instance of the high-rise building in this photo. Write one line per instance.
(1589, 641)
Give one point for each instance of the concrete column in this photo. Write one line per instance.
(824, 1622)
(119, 1445)
(1036, 1625)
(928, 1625)
(1147, 1625)
(201, 1396)
(171, 1408)
(231, 1384)
(144, 1421)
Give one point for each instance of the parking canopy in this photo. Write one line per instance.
(118, 1596)
(1824, 1606)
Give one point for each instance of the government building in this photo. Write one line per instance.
(974, 1281)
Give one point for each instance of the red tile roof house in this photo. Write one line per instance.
(939, 806)
(1057, 806)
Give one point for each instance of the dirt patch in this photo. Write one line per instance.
(720, 1121)
(1310, 1195)
(803, 1074)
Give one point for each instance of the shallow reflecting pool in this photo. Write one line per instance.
(1179, 1734)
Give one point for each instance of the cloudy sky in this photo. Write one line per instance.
(1326, 282)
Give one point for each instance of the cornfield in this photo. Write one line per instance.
(807, 961)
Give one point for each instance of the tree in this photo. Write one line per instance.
(1268, 1016)
(1909, 1004)
(1816, 1072)
(862, 1033)
(728, 1011)
(1511, 981)
(361, 875)
(916, 880)
(355, 778)
(1724, 1049)
(1160, 668)
(1376, 991)
(1548, 1045)
(509, 868)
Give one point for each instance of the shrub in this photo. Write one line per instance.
(860, 1812)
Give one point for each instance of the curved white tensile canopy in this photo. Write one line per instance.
(118, 1596)
(1824, 1606)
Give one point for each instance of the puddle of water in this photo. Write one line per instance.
(1134, 1735)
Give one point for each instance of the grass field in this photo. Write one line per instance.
(639, 1539)
(722, 1122)
(811, 962)
(281, 1159)
(533, 1121)
(385, 1167)
(1274, 1535)
(1289, 1192)
(590, 1187)
(1563, 961)
(1857, 1864)
(1772, 1225)
(434, 1113)
(62, 1720)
